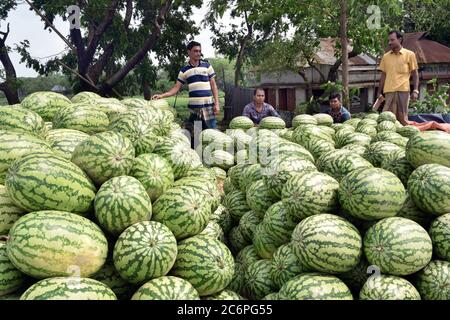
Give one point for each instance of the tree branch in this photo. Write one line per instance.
(332, 74)
(243, 44)
(128, 14)
(5, 35)
(96, 70)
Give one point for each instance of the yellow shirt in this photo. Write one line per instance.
(398, 69)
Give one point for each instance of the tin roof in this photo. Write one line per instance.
(427, 51)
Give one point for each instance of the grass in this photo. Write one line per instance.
(181, 105)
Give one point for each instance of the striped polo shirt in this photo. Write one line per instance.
(197, 78)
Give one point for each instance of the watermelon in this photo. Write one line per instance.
(309, 194)
(222, 159)
(330, 131)
(353, 122)
(386, 126)
(410, 211)
(429, 147)
(83, 117)
(440, 236)
(285, 266)
(85, 96)
(134, 103)
(121, 202)
(242, 157)
(339, 163)
(387, 116)
(305, 134)
(250, 174)
(111, 106)
(319, 147)
(241, 122)
(104, 155)
(368, 130)
(398, 246)
(68, 288)
(237, 240)
(259, 197)
(184, 210)
(366, 122)
(355, 149)
(9, 211)
(144, 251)
(202, 172)
(429, 188)
(236, 204)
(219, 173)
(372, 115)
(323, 119)
(371, 194)
(303, 119)
(64, 141)
(408, 131)
(327, 243)
(258, 282)
(357, 276)
(272, 123)
(14, 145)
(315, 286)
(378, 151)
(213, 230)
(21, 119)
(181, 135)
(224, 295)
(228, 186)
(204, 186)
(11, 278)
(399, 166)
(154, 172)
(291, 149)
(44, 181)
(223, 218)
(235, 174)
(271, 296)
(166, 288)
(384, 287)
(46, 244)
(45, 103)
(265, 243)
(248, 224)
(356, 138)
(247, 256)
(206, 263)
(279, 223)
(109, 276)
(433, 281)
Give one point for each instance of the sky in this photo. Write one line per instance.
(26, 24)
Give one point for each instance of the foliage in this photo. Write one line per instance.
(436, 102)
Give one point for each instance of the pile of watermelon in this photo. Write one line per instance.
(104, 199)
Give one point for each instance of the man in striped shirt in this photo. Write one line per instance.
(203, 93)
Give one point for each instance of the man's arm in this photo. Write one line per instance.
(169, 93)
(381, 85)
(246, 112)
(415, 77)
(274, 112)
(216, 95)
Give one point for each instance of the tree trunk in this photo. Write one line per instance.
(344, 43)
(146, 88)
(309, 90)
(240, 57)
(333, 73)
(9, 86)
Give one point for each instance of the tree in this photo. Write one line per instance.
(8, 77)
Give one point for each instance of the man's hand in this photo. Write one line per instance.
(216, 109)
(414, 96)
(157, 97)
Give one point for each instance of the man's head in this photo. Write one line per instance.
(259, 95)
(395, 39)
(194, 50)
(335, 101)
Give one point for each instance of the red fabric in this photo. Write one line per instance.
(431, 125)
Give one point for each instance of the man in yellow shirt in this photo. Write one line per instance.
(398, 65)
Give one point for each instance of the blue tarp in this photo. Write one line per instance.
(439, 118)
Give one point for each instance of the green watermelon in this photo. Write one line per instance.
(285, 266)
(353, 122)
(327, 243)
(272, 296)
(429, 147)
(221, 159)
(44, 181)
(366, 122)
(206, 263)
(290, 148)
(384, 287)
(11, 278)
(214, 230)
(398, 166)
(46, 244)
(64, 141)
(368, 130)
(309, 194)
(111, 106)
(248, 224)
(237, 240)
(236, 204)
(371, 194)
(224, 295)
(83, 117)
(408, 131)
(429, 188)
(355, 149)
(205, 186)
(265, 243)
(410, 211)
(378, 151)
(223, 218)
(45, 103)
(85, 96)
(235, 173)
(440, 236)
(372, 115)
(279, 223)
(398, 246)
(272, 123)
(154, 172)
(184, 210)
(109, 276)
(166, 288)
(241, 122)
(355, 138)
(319, 147)
(258, 282)
(121, 202)
(259, 197)
(68, 288)
(144, 251)
(386, 126)
(303, 119)
(251, 173)
(21, 119)
(202, 172)
(9, 211)
(387, 116)
(134, 103)
(433, 281)
(339, 163)
(323, 119)
(247, 256)
(315, 286)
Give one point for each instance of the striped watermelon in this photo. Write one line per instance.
(315, 286)
(224, 295)
(258, 282)
(319, 147)
(366, 122)
(223, 218)
(368, 130)
(214, 230)
(259, 197)
(154, 172)
(309, 194)
(14, 145)
(204, 173)
(222, 159)
(429, 147)
(46, 244)
(355, 149)
(206, 263)
(237, 240)
(408, 131)
(327, 243)
(387, 116)
(235, 173)
(104, 156)
(272, 296)
(372, 115)
(241, 122)
(250, 174)
(21, 119)
(111, 106)
(290, 148)
(9, 211)
(44, 181)
(272, 123)
(386, 126)
(410, 211)
(184, 210)
(248, 224)
(45, 103)
(144, 251)
(371, 194)
(134, 103)
(305, 134)
(181, 135)
(236, 204)
(323, 119)
(207, 187)
(166, 288)
(247, 256)
(303, 119)
(228, 186)
(429, 188)
(242, 157)
(433, 281)
(356, 138)
(384, 287)
(398, 246)
(84, 96)
(121, 202)
(219, 173)
(265, 243)
(357, 276)
(64, 141)
(378, 151)
(285, 266)
(353, 122)
(398, 165)
(68, 288)
(279, 223)
(389, 136)
(83, 117)
(11, 278)
(109, 276)
(339, 163)
(440, 236)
